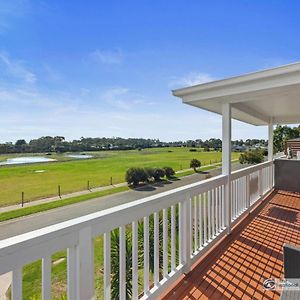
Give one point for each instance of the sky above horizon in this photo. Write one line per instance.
(107, 68)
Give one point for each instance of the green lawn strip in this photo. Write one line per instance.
(39, 181)
(203, 169)
(191, 172)
(59, 203)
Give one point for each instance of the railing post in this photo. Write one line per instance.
(271, 176)
(228, 204)
(72, 273)
(85, 265)
(272, 169)
(185, 223)
(248, 192)
(260, 183)
(16, 286)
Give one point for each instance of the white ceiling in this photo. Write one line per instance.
(258, 98)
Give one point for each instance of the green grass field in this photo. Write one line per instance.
(73, 175)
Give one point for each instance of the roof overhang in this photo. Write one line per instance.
(260, 98)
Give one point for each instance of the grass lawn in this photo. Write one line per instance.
(32, 275)
(73, 175)
(59, 203)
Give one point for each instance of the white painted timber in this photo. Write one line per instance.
(107, 265)
(270, 141)
(255, 97)
(46, 278)
(226, 159)
(201, 215)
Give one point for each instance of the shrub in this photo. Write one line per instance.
(135, 176)
(252, 157)
(193, 150)
(150, 173)
(195, 163)
(169, 172)
(265, 152)
(158, 173)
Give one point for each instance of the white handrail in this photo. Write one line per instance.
(201, 218)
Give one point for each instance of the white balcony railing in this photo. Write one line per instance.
(178, 226)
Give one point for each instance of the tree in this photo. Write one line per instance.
(283, 133)
(149, 173)
(195, 163)
(158, 173)
(135, 175)
(20, 145)
(169, 172)
(252, 157)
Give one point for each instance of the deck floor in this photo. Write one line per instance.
(237, 268)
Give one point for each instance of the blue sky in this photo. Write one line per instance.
(106, 68)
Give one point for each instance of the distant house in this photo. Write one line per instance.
(237, 148)
(293, 144)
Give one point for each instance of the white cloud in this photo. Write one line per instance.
(16, 68)
(117, 97)
(107, 56)
(192, 78)
(124, 99)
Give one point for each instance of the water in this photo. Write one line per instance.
(26, 160)
(80, 156)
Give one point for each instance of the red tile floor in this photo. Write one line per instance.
(237, 267)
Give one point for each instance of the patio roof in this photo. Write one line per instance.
(260, 98)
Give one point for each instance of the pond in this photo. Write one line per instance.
(80, 156)
(26, 160)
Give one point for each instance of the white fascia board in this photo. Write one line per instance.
(286, 119)
(261, 80)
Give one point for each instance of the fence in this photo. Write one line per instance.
(171, 230)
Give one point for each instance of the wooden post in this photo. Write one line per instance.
(88, 185)
(22, 199)
(111, 180)
(59, 192)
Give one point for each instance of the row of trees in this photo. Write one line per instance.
(59, 144)
(134, 176)
(137, 175)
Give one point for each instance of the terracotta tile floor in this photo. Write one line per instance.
(238, 266)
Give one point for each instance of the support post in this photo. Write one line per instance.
(226, 160)
(270, 141)
(270, 153)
